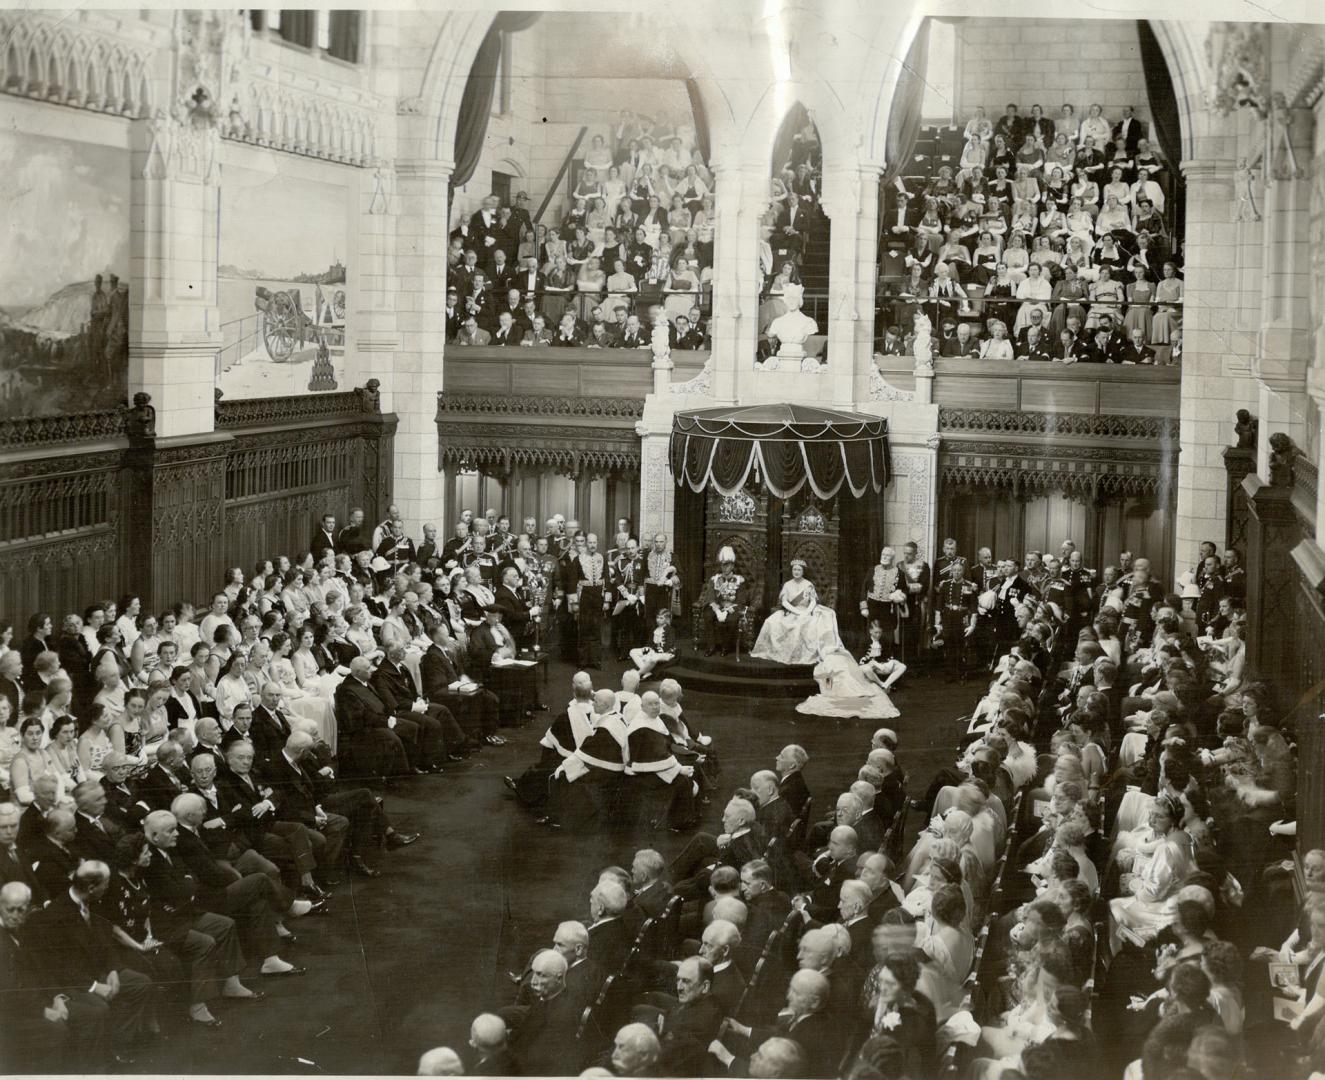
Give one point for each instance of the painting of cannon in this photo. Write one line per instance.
(284, 289)
(286, 326)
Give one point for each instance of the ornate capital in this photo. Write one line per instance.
(1237, 53)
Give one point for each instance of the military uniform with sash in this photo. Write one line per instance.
(955, 603)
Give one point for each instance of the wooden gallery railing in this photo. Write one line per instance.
(96, 506)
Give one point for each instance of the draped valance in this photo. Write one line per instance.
(783, 446)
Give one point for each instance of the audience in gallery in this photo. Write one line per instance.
(1088, 865)
(1085, 202)
(638, 235)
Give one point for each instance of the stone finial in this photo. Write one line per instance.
(1282, 455)
(140, 418)
(1244, 430)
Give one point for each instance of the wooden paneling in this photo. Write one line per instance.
(560, 372)
(975, 391)
(1046, 395)
(1139, 399)
(1049, 521)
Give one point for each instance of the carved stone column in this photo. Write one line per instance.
(414, 377)
(735, 322)
(851, 201)
(1217, 353)
(174, 321)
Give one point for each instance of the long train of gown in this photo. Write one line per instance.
(845, 691)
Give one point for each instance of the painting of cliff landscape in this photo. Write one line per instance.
(281, 284)
(64, 296)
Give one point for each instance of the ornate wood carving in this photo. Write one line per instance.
(297, 408)
(1058, 423)
(32, 431)
(535, 405)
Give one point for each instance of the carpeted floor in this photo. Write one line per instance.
(405, 961)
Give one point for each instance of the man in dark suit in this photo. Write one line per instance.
(485, 228)
(875, 870)
(324, 537)
(500, 275)
(73, 946)
(767, 908)
(477, 303)
(790, 762)
(690, 1025)
(508, 331)
(719, 945)
(740, 841)
(476, 710)
(825, 873)
(369, 745)
(95, 835)
(805, 1021)
(774, 813)
(509, 596)
(165, 779)
(206, 941)
(529, 280)
(516, 687)
(1136, 351)
(633, 336)
(435, 728)
(1022, 346)
(491, 1056)
(1129, 130)
(1010, 126)
(14, 865)
(609, 936)
(51, 854)
(350, 814)
(544, 1042)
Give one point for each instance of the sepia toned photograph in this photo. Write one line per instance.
(759, 538)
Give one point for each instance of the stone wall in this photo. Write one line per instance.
(1050, 61)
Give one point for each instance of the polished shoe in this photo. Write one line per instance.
(255, 996)
(320, 907)
(314, 892)
(454, 757)
(510, 783)
(287, 939)
(420, 772)
(212, 1023)
(329, 881)
(494, 740)
(399, 840)
(362, 868)
(284, 974)
(540, 707)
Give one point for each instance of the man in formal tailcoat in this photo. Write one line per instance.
(884, 599)
(369, 745)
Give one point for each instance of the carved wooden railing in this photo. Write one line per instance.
(25, 432)
(297, 408)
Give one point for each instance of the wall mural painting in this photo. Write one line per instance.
(281, 285)
(64, 293)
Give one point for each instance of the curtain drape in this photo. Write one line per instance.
(1164, 122)
(344, 36)
(299, 27)
(905, 115)
(796, 118)
(700, 116)
(476, 102)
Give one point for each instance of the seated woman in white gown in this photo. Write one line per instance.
(846, 690)
(802, 630)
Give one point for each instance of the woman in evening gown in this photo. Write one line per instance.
(802, 630)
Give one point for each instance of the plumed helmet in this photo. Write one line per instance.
(726, 555)
(988, 600)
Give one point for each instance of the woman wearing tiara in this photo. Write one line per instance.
(802, 630)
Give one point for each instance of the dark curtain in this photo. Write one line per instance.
(476, 102)
(1165, 126)
(797, 117)
(688, 550)
(700, 117)
(905, 115)
(344, 43)
(299, 27)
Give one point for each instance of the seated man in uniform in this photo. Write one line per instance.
(726, 601)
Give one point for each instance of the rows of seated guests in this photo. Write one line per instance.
(175, 792)
(1056, 216)
(1132, 881)
(781, 946)
(793, 211)
(639, 232)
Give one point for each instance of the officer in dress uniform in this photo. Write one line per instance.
(1035, 572)
(1080, 583)
(884, 599)
(1011, 590)
(987, 573)
(590, 570)
(626, 582)
(1235, 578)
(954, 617)
(1138, 622)
(479, 555)
(660, 579)
(726, 598)
(944, 563)
(917, 577)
